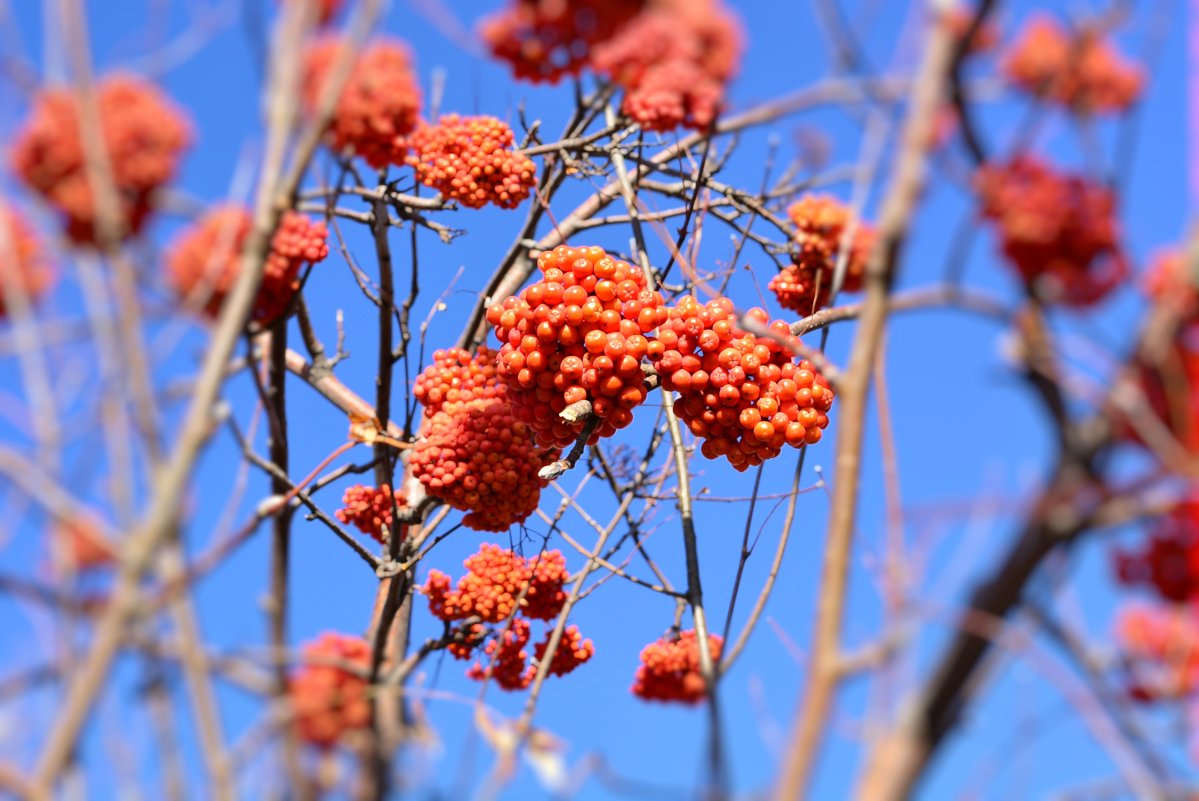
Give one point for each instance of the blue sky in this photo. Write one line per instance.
(971, 442)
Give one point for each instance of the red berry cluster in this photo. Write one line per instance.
(22, 260)
(143, 135)
(1079, 70)
(670, 669)
(821, 222)
(369, 510)
(1162, 645)
(81, 544)
(457, 376)
(1059, 230)
(379, 104)
(494, 583)
(544, 40)
(674, 61)
(471, 160)
(480, 458)
(491, 591)
(743, 394)
(577, 334)
(507, 658)
(206, 260)
(572, 651)
(328, 695)
(1169, 561)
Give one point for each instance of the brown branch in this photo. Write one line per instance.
(816, 701)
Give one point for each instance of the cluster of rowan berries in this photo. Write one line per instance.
(1059, 230)
(1161, 646)
(821, 224)
(143, 136)
(577, 334)
(674, 58)
(379, 105)
(499, 584)
(473, 451)
(503, 587)
(1169, 560)
(471, 160)
(674, 61)
(545, 40)
(81, 544)
(23, 264)
(739, 391)
(329, 693)
(1079, 70)
(369, 509)
(670, 668)
(456, 376)
(205, 261)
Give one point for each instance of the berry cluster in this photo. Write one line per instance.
(480, 458)
(143, 135)
(329, 694)
(1171, 391)
(22, 261)
(1059, 230)
(1169, 561)
(498, 584)
(471, 160)
(206, 260)
(1081, 70)
(1162, 645)
(379, 104)
(457, 376)
(81, 544)
(674, 61)
(502, 587)
(544, 40)
(821, 223)
(1171, 279)
(577, 334)
(670, 669)
(369, 509)
(741, 393)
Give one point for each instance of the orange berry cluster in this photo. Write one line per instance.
(1059, 230)
(494, 583)
(670, 669)
(205, 261)
(82, 545)
(491, 591)
(369, 510)
(1162, 647)
(480, 458)
(741, 393)
(330, 698)
(821, 222)
(544, 40)
(577, 334)
(457, 376)
(1079, 70)
(22, 261)
(1169, 561)
(674, 61)
(507, 658)
(471, 160)
(143, 135)
(572, 651)
(379, 104)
